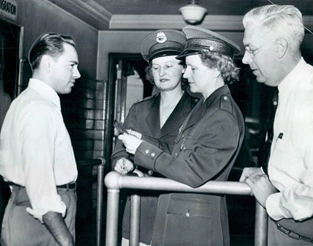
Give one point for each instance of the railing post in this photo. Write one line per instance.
(260, 234)
(112, 183)
(134, 220)
(100, 186)
(100, 163)
(135, 216)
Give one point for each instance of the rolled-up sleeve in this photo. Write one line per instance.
(295, 200)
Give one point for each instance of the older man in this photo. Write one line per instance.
(36, 154)
(272, 37)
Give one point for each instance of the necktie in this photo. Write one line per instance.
(265, 152)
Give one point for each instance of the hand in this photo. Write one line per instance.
(124, 166)
(247, 171)
(57, 227)
(259, 183)
(130, 142)
(134, 133)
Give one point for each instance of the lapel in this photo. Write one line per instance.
(152, 118)
(178, 115)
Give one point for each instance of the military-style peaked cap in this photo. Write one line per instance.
(199, 39)
(162, 43)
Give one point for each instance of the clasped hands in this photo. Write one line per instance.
(259, 183)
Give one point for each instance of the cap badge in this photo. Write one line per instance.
(161, 38)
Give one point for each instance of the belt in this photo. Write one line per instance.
(70, 186)
(293, 234)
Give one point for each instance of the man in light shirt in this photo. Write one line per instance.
(272, 37)
(36, 154)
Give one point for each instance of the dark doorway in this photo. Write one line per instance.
(9, 57)
(9, 76)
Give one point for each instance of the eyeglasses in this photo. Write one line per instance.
(252, 52)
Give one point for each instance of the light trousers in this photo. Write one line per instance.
(278, 238)
(19, 228)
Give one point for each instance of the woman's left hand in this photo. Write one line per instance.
(130, 142)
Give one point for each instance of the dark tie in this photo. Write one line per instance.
(265, 152)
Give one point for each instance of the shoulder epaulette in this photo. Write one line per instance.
(225, 103)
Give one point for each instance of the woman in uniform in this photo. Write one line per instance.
(158, 117)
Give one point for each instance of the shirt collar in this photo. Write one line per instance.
(289, 83)
(45, 91)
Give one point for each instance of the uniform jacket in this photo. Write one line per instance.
(205, 149)
(144, 117)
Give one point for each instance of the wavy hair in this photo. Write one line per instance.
(50, 44)
(223, 63)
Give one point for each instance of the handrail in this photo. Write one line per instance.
(100, 190)
(90, 162)
(114, 182)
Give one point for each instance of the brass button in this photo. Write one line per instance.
(147, 151)
(150, 172)
(153, 154)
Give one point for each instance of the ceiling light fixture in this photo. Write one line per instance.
(193, 13)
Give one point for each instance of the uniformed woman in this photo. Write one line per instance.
(205, 148)
(157, 117)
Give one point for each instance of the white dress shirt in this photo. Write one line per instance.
(35, 148)
(291, 161)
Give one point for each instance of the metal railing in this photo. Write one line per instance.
(114, 182)
(100, 163)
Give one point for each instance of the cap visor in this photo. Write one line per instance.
(187, 53)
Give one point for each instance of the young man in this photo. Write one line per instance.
(36, 155)
(272, 37)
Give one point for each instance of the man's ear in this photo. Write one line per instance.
(281, 47)
(45, 63)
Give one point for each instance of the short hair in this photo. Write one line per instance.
(223, 63)
(285, 19)
(48, 44)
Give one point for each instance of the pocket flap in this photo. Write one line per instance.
(189, 207)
